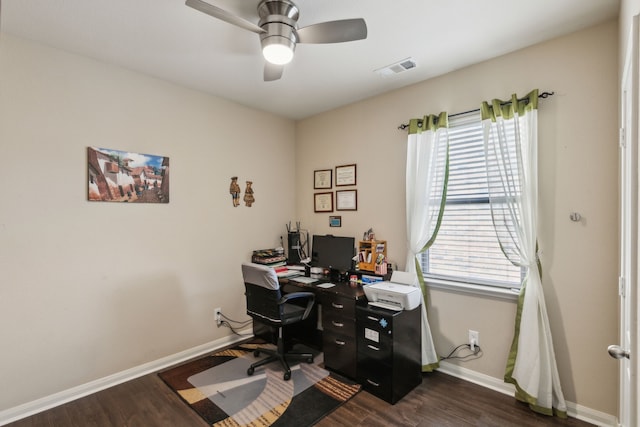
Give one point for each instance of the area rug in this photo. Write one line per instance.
(218, 388)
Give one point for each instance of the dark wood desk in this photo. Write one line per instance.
(332, 327)
(379, 348)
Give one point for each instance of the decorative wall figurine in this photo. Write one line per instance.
(248, 194)
(234, 189)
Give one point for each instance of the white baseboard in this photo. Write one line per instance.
(30, 408)
(573, 409)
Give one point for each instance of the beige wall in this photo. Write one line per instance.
(628, 9)
(90, 289)
(578, 172)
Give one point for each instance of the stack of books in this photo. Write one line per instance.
(270, 257)
(275, 259)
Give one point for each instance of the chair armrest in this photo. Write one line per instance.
(300, 295)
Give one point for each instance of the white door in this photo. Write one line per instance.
(626, 349)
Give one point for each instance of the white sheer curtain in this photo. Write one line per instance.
(426, 183)
(512, 173)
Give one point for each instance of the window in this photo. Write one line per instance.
(466, 249)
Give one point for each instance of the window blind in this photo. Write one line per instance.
(466, 248)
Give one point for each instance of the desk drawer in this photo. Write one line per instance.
(374, 336)
(337, 322)
(376, 378)
(382, 324)
(339, 353)
(336, 304)
(381, 350)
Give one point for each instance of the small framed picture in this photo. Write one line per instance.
(322, 179)
(323, 202)
(347, 200)
(335, 221)
(345, 175)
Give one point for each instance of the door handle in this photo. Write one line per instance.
(618, 353)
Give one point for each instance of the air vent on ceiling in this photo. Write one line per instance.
(398, 67)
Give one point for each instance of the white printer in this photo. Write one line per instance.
(400, 293)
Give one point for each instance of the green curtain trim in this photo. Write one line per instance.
(538, 261)
(443, 201)
(423, 286)
(520, 394)
(429, 122)
(511, 360)
(524, 397)
(431, 367)
(508, 109)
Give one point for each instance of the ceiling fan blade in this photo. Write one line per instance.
(345, 30)
(272, 72)
(224, 15)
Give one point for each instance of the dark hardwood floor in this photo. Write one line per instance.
(441, 400)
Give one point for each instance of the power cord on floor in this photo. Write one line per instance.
(476, 353)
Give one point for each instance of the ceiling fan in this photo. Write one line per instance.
(279, 32)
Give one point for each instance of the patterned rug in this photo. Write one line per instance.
(218, 388)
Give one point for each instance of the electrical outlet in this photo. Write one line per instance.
(218, 312)
(474, 339)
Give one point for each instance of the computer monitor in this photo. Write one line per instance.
(333, 252)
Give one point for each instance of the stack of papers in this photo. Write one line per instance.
(326, 285)
(306, 280)
(288, 273)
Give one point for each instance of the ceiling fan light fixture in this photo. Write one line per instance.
(277, 50)
(279, 32)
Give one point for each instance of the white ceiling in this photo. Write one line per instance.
(168, 40)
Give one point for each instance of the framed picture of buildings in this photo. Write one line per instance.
(124, 176)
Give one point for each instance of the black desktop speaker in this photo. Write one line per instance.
(293, 252)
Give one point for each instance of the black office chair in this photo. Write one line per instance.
(266, 304)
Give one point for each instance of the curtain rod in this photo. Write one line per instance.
(542, 95)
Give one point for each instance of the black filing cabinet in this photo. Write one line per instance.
(338, 332)
(388, 351)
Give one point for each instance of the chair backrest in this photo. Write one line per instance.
(262, 291)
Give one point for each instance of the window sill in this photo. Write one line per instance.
(473, 289)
